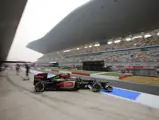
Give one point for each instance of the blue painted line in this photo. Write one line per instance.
(131, 95)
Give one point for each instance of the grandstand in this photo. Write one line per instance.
(133, 50)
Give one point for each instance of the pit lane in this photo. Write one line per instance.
(18, 101)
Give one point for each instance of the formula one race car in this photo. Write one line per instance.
(42, 82)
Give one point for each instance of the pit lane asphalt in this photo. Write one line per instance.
(19, 102)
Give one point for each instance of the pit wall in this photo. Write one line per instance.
(84, 74)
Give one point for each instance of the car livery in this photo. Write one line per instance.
(67, 84)
(42, 83)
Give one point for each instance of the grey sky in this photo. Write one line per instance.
(39, 17)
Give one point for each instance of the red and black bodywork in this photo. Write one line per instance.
(58, 82)
(63, 75)
(44, 76)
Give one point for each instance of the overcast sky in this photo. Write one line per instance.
(39, 17)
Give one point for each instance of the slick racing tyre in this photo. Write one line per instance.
(108, 89)
(39, 87)
(96, 87)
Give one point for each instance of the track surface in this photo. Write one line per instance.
(19, 102)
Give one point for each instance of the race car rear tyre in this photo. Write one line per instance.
(109, 89)
(96, 87)
(39, 87)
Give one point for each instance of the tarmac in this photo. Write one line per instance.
(18, 101)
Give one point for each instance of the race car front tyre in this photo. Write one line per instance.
(108, 88)
(39, 87)
(96, 87)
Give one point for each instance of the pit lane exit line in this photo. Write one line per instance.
(132, 95)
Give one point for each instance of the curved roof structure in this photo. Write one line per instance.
(100, 19)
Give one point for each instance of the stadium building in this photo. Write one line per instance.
(113, 32)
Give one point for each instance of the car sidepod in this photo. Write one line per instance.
(67, 85)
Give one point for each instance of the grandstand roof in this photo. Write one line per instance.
(97, 20)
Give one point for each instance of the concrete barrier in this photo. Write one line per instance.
(78, 73)
(55, 70)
